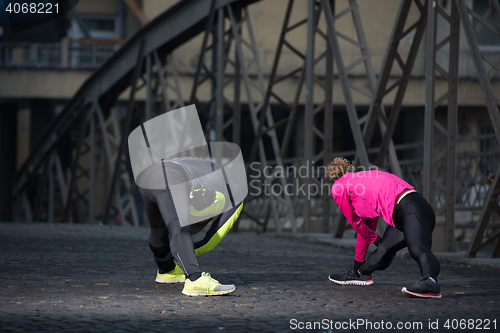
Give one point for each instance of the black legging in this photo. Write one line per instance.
(414, 220)
(163, 221)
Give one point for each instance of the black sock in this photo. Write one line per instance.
(194, 276)
(356, 265)
(166, 267)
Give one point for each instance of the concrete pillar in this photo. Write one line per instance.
(40, 118)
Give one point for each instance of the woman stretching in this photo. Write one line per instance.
(365, 196)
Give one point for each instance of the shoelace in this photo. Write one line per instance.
(211, 279)
(422, 279)
(350, 268)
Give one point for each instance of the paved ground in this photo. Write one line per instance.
(83, 278)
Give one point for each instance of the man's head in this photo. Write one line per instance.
(337, 168)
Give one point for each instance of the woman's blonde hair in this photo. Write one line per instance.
(337, 168)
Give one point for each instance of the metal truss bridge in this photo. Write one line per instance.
(80, 172)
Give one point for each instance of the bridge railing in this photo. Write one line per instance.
(73, 55)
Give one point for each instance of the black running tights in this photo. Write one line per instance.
(164, 222)
(414, 220)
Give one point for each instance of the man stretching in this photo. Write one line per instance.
(191, 184)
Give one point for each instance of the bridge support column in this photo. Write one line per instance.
(8, 144)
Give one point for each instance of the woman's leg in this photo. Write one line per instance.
(392, 241)
(418, 233)
(417, 220)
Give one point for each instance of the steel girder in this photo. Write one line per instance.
(372, 81)
(343, 71)
(93, 196)
(167, 31)
(93, 136)
(256, 92)
(435, 153)
(264, 125)
(98, 183)
(432, 153)
(238, 58)
(122, 165)
(481, 63)
(215, 74)
(321, 114)
(313, 132)
(392, 56)
(85, 143)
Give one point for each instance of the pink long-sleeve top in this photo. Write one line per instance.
(362, 198)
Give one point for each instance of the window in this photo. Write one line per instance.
(487, 149)
(485, 37)
(98, 27)
(487, 144)
(99, 24)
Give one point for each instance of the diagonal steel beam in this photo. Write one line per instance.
(124, 131)
(396, 108)
(390, 57)
(491, 103)
(433, 155)
(344, 81)
(493, 109)
(79, 143)
(256, 105)
(372, 81)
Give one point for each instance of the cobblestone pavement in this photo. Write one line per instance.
(87, 278)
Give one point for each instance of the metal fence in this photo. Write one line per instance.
(76, 55)
(187, 59)
(55, 55)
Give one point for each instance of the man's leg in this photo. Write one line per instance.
(392, 241)
(158, 237)
(181, 240)
(159, 245)
(198, 283)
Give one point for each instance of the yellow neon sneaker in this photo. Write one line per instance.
(174, 276)
(206, 286)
